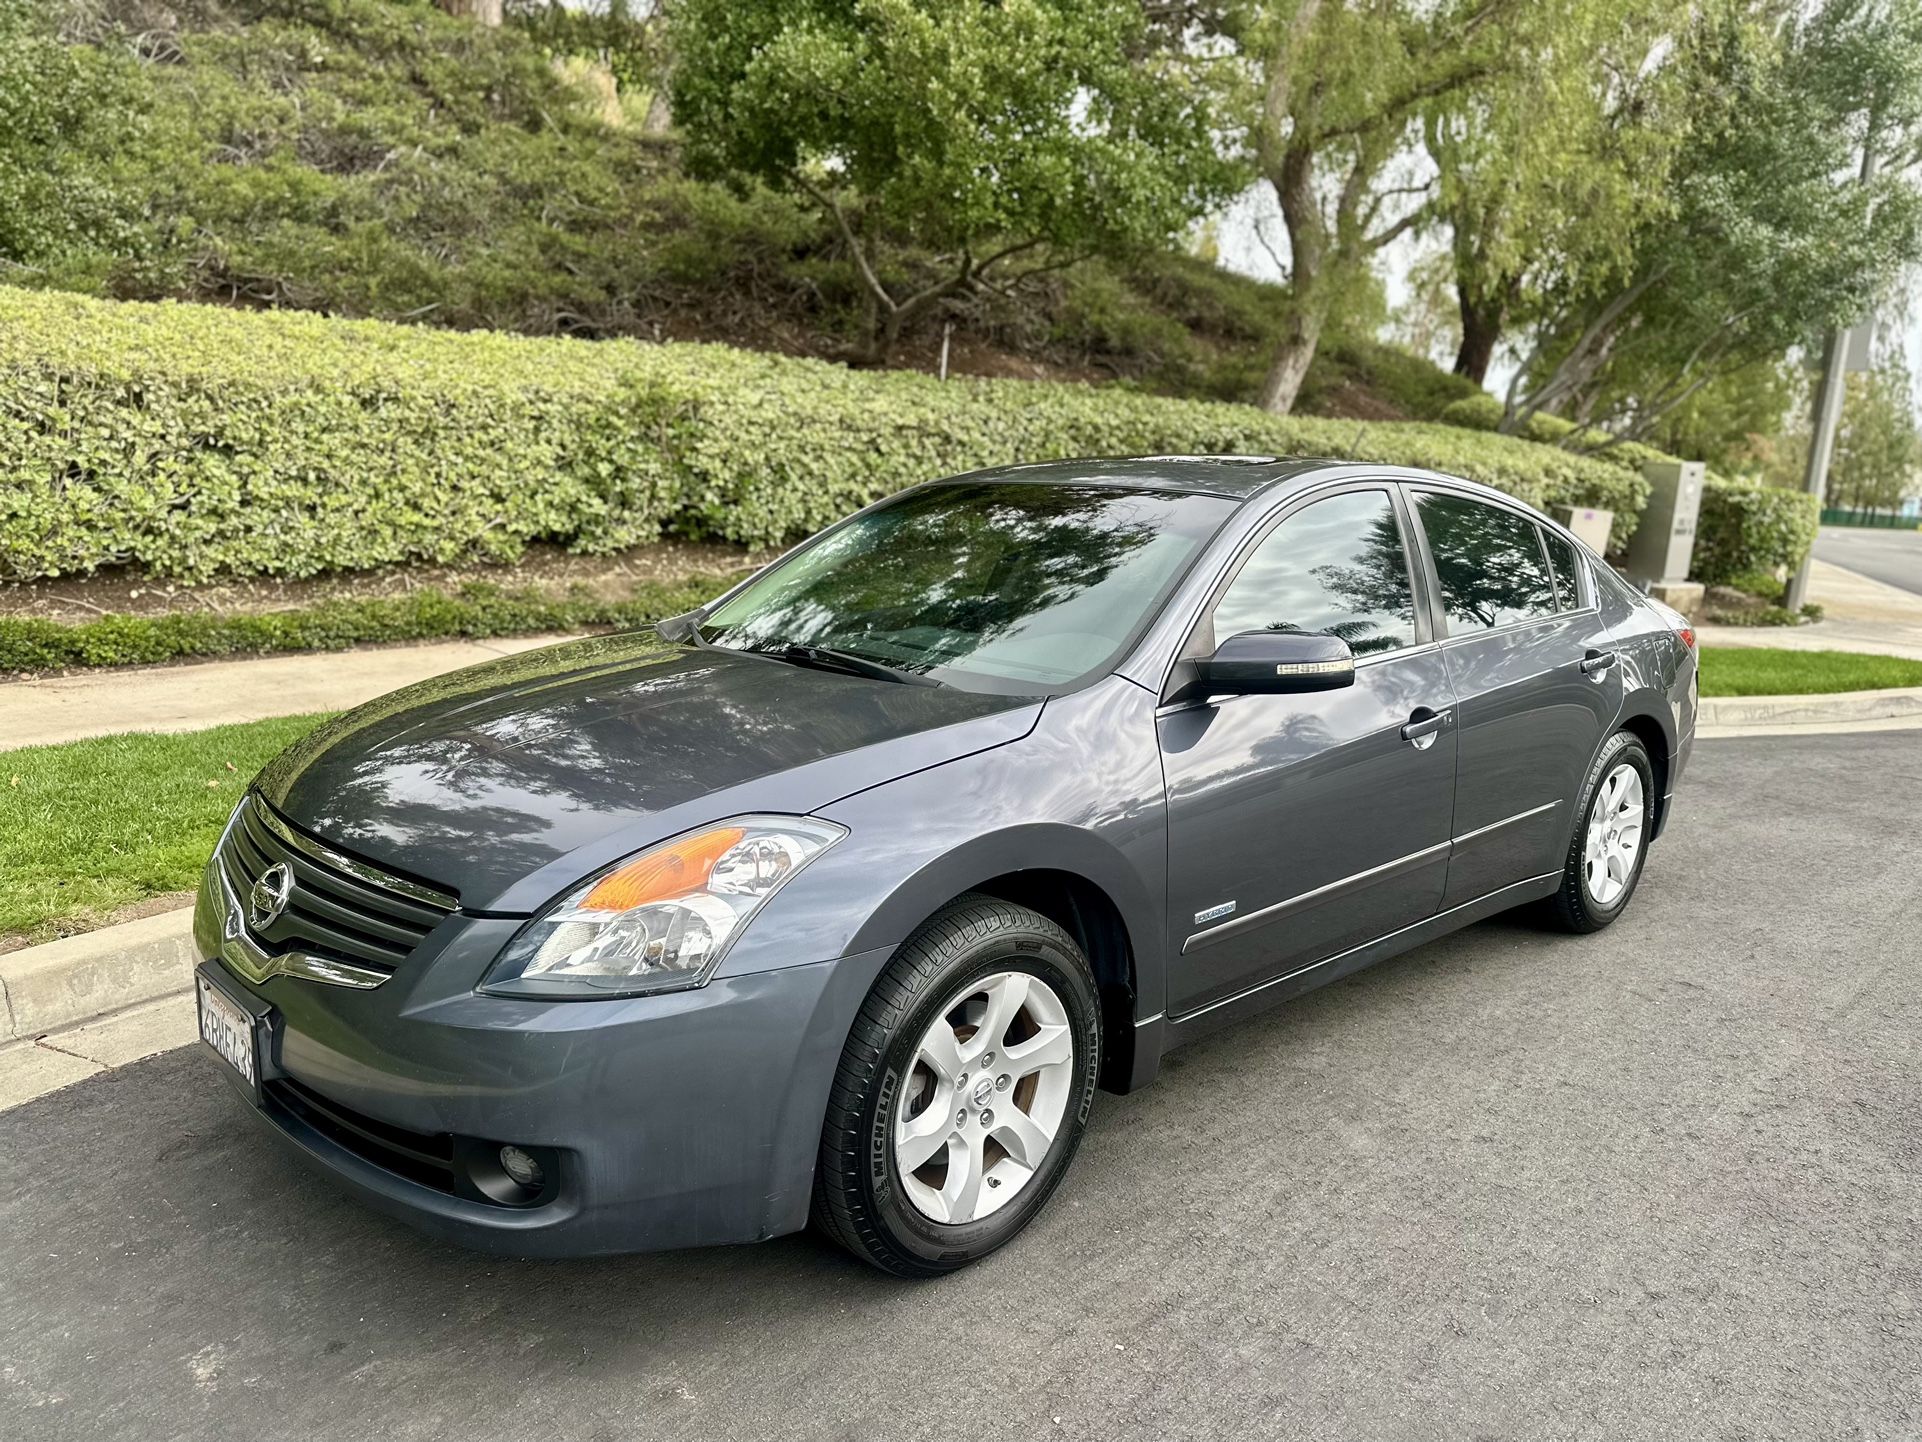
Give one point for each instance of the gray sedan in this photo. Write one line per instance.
(840, 898)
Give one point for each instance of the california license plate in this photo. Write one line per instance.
(229, 1030)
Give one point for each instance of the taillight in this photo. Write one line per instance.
(1687, 633)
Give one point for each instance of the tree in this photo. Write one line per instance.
(1878, 450)
(487, 12)
(1726, 421)
(626, 37)
(1549, 165)
(63, 109)
(1768, 240)
(1338, 88)
(1001, 138)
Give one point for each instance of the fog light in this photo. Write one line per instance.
(522, 1168)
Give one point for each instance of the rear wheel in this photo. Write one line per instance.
(962, 1091)
(1605, 855)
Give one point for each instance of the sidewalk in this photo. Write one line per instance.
(212, 693)
(1861, 615)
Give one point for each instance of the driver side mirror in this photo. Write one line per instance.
(1272, 663)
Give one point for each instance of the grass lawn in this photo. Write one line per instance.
(1771, 671)
(93, 825)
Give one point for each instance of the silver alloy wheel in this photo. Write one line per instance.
(1614, 835)
(985, 1097)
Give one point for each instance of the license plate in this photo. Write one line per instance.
(230, 1031)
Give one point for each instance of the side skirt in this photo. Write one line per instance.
(1163, 1033)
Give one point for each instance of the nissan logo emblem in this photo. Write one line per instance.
(269, 896)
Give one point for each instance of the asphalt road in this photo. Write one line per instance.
(1662, 1181)
(1891, 557)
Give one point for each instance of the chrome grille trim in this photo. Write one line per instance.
(359, 870)
(242, 953)
(344, 921)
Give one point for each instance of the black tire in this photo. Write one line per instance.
(1573, 908)
(859, 1199)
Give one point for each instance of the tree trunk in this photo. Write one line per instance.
(883, 335)
(660, 113)
(1294, 183)
(1482, 320)
(1292, 358)
(487, 12)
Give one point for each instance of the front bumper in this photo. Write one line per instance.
(687, 1119)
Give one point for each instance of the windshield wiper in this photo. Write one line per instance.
(825, 659)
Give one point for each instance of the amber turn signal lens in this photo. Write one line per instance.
(671, 870)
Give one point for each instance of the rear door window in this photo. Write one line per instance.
(1489, 562)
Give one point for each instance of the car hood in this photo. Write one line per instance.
(510, 781)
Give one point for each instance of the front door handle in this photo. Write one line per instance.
(1421, 730)
(1596, 662)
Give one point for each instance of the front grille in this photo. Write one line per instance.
(340, 907)
(427, 1158)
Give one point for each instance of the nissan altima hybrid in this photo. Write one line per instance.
(841, 897)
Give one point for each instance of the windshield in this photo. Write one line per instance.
(1005, 586)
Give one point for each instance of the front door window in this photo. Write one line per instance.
(1335, 568)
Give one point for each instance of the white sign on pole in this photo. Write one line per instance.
(1859, 346)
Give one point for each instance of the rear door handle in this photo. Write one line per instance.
(1596, 662)
(1422, 731)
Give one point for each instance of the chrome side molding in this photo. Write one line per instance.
(1320, 893)
(1480, 831)
(1354, 882)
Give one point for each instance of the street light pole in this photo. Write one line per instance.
(1829, 394)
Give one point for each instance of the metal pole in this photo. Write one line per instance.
(1829, 394)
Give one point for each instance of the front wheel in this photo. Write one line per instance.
(962, 1091)
(1610, 843)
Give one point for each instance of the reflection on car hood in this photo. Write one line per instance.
(508, 782)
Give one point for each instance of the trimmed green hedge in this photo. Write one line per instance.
(1745, 526)
(475, 610)
(196, 441)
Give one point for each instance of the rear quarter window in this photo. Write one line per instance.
(1562, 565)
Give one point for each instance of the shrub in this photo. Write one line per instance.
(475, 610)
(196, 441)
(1763, 582)
(1745, 526)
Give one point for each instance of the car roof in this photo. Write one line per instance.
(1235, 477)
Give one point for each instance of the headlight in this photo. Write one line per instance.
(662, 920)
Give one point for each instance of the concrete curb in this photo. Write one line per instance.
(77, 978)
(1887, 705)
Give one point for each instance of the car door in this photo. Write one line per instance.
(1302, 825)
(1535, 679)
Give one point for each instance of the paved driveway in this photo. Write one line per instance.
(1891, 557)
(1662, 1181)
